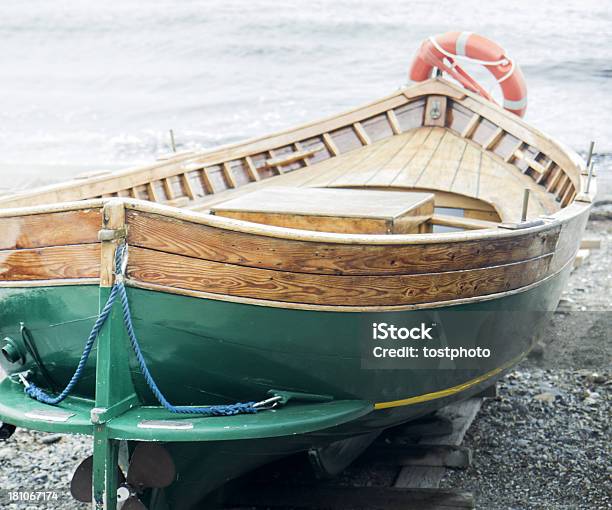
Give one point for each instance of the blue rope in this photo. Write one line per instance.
(119, 289)
(36, 393)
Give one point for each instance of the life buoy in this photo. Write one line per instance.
(444, 50)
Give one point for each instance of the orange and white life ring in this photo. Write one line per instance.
(444, 50)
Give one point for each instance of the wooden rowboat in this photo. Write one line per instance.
(259, 268)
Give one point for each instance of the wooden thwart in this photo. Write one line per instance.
(332, 210)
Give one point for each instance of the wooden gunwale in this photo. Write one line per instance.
(549, 221)
(162, 234)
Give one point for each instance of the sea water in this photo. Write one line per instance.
(89, 85)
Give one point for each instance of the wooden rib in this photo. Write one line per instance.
(547, 171)
(563, 185)
(558, 182)
(207, 182)
(566, 196)
(51, 229)
(471, 126)
(225, 279)
(516, 150)
(133, 193)
(462, 222)
(569, 198)
(494, 139)
(361, 133)
(329, 143)
(49, 263)
(229, 176)
(556, 174)
(201, 241)
(187, 186)
(152, 193)
(253, 173)
(168, 188)
(394, 123)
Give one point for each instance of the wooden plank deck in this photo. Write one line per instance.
(431, 158)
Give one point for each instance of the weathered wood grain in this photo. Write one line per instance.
(160, 268)
(201, 241)
(49, 263)
(50, 229)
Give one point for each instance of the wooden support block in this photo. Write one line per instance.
(591, 243)
(345, 498)
(450, 456)
(489, 392)
(427, 426)
(361, 133)
(581, 257)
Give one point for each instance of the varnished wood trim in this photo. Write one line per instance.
(227, 279)
(53, 262)
(210, 243)
(50, 229)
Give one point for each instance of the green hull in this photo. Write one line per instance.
(203, 351)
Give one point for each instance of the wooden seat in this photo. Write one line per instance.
(333, 210)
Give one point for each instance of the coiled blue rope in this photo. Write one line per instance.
(119, 289)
